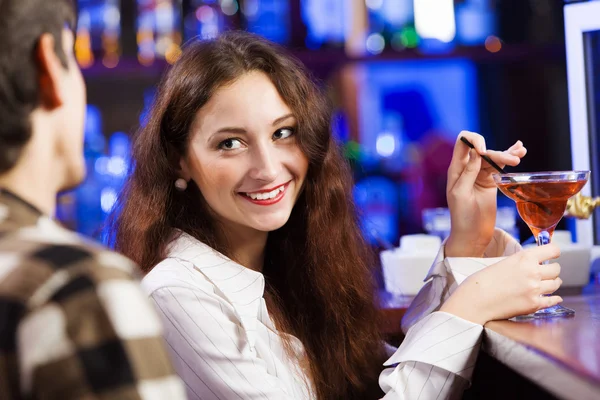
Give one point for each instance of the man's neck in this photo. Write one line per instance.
(32, 180)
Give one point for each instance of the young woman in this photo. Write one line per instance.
(239, 210)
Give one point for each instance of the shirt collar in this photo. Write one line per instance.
(16, 210)
(242, 287)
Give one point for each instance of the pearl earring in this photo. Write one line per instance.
(181, 184)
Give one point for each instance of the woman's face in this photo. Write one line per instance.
(244, 157)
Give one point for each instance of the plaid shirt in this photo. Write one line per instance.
(73, 323)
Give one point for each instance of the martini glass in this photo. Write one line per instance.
(541, 199)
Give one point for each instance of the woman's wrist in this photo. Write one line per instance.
(463, 304)
(456, 247)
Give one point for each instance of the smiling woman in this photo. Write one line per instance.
(244, 125)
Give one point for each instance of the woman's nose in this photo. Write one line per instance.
(265, 165)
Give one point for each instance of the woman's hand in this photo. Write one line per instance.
(512, 287)
(471, 194)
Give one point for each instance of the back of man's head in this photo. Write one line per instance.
(22, 23)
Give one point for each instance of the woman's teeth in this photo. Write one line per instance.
(267, 195)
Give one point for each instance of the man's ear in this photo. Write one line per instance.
(50, 69)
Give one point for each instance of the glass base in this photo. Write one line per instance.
(550, 312)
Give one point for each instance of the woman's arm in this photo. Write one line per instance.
(435, 361)
(443, 345)
(438, 354)
(441, 283)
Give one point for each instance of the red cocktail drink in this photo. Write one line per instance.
(542, 204)
(541, 199)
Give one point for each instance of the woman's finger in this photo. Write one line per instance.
(540, 253)
(519, 152)
(515, 151)
(460, 156)
(465, 182)
(550, 271)
(503, 158)
(550, 286)
(518, 144)
(549, 301)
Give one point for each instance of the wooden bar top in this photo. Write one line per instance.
(560, 354)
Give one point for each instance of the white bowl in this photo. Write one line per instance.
(404, 274)
(405, 268)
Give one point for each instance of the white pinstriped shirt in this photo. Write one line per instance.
(225, 346)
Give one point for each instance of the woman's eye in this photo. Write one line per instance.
(283, 133)
(230, 144)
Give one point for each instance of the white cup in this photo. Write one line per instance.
(405, 268)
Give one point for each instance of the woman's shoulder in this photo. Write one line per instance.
(181, 267)
(187, 264)
(172, 272)
(192, 265)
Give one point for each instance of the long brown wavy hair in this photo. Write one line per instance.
(317, 265)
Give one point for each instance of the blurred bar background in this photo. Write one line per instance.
(405, 77)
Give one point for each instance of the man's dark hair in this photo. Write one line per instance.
(22, 23)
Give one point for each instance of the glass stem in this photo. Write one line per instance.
(543, 238)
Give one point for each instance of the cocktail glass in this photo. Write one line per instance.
(541, 199)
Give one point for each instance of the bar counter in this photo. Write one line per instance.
(557, 357)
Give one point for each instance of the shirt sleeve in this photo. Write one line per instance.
(438, 354)
(90, 332)
(441, 283)
(502, 245)
(435, 361)
(209, 349)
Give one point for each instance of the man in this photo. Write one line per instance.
(73, 323)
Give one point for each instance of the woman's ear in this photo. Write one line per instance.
(178, 162)
(184, 169)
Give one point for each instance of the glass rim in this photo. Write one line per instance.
(581, 174)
